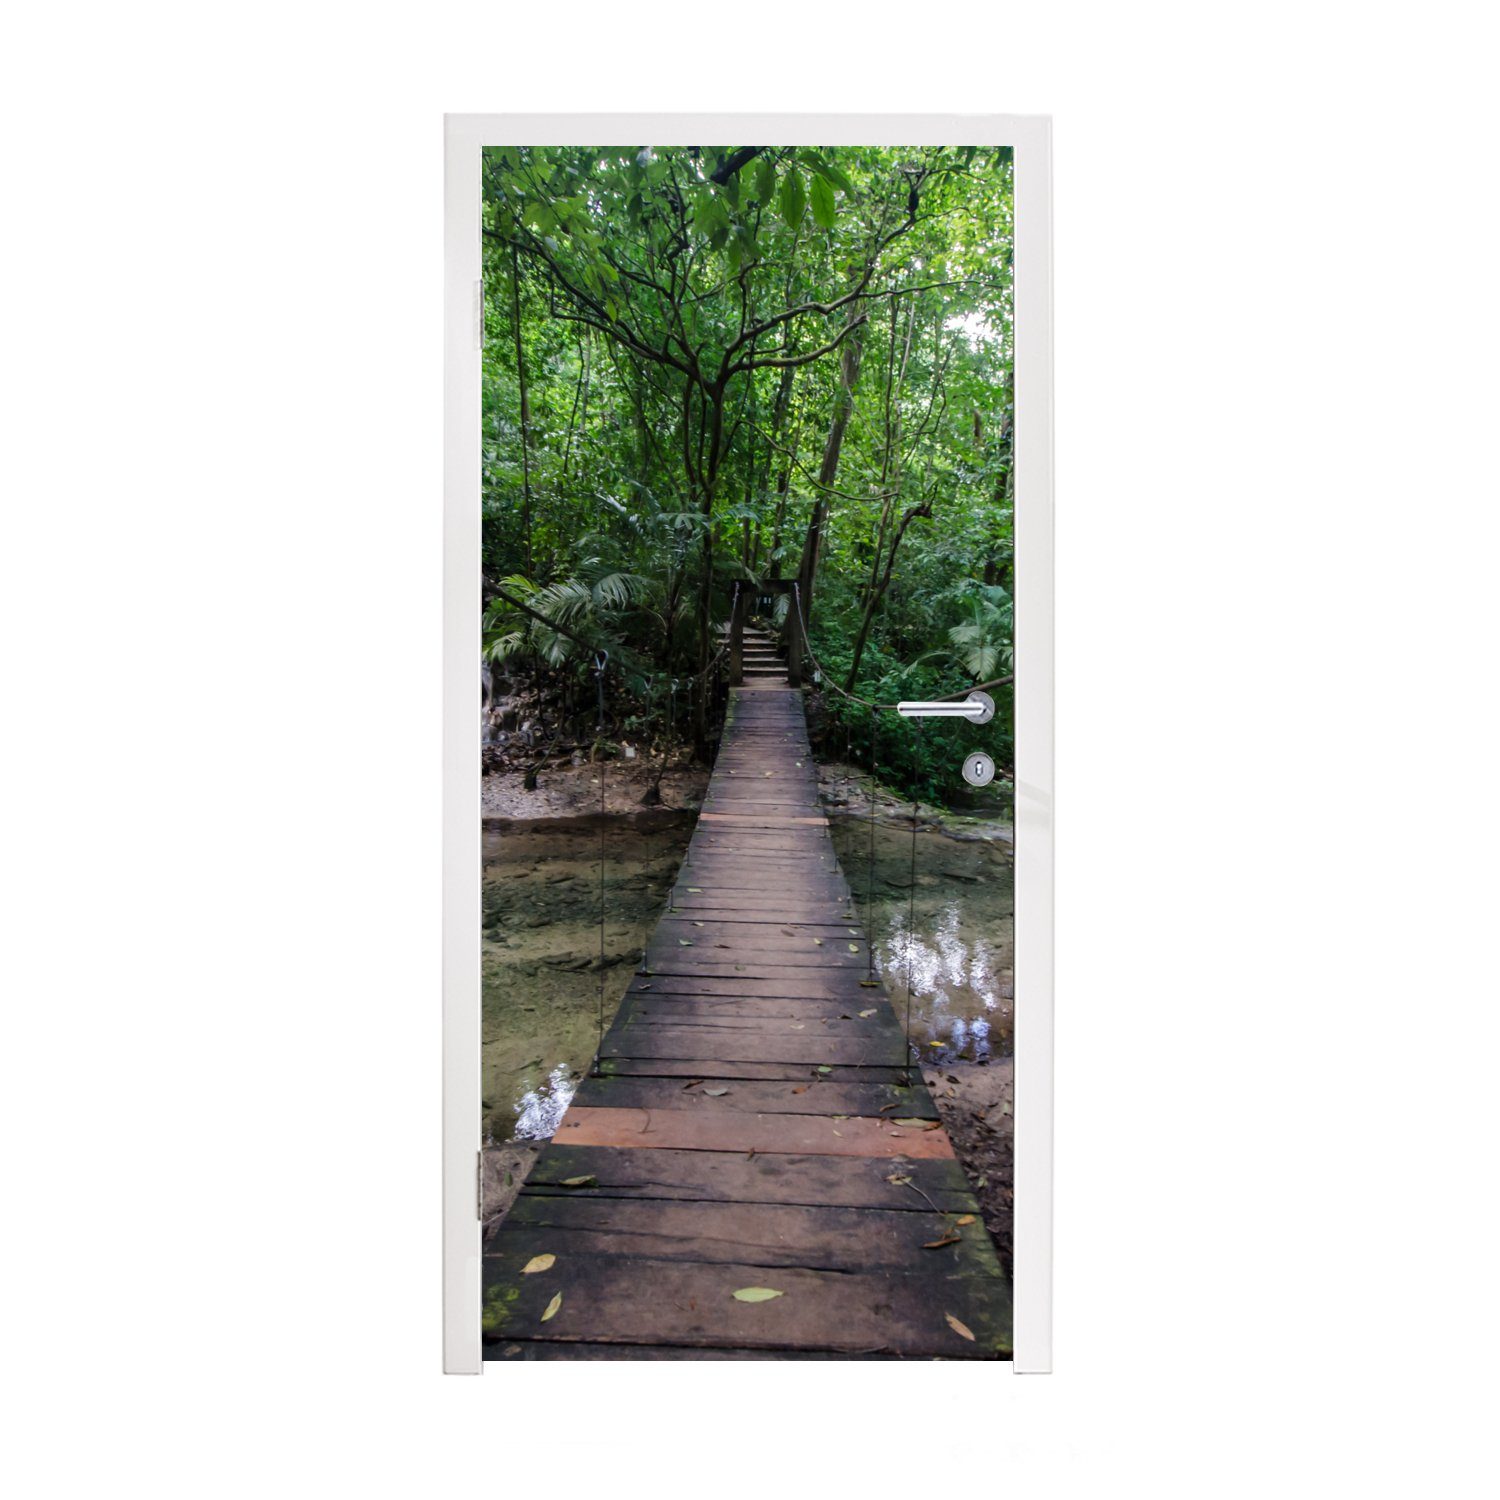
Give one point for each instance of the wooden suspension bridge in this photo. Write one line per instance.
(756, 1169)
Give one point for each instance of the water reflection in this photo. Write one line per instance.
(540, 954)
(539, 1111)
(957, 946)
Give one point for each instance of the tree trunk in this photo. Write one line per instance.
(780, 414)
(843, 407)
(714, 416)
(877, 593)
(515, 322)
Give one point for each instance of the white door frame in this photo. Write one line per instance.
(1030, 137)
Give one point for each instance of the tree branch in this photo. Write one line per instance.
(790, 362)
(733, 162)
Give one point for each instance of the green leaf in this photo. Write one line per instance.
(793, 198)
(712, 218)
(765, 180)
(825, 168)
(823, 209)
(756, 1294)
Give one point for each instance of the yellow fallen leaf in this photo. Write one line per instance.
(966, 1219)
(538, 1263)
(958, 1327)
(556, 1303)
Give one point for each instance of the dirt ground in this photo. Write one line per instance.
(977, 1103)
(565, 790)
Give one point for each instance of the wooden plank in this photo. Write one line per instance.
(716, 1067)
(769, 1177)
(525, 1350)
(770, 1096)
(832, 985)
(716, 1027)
(803, 1048)
(756, 928)
(699, 1130)
(762, 820)
(725, 963)
(757, 1234)
(646, 1013)
(754, 906)
(614, 1299)
(652, 1008)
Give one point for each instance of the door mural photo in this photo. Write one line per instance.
(747, 796)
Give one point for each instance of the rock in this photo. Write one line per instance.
(502, 1171)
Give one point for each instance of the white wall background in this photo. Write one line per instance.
(219, 589)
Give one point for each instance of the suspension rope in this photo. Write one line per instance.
(870, 702)
(601, 660)
(911, 929)
(870, 981)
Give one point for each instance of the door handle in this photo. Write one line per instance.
(977, 708)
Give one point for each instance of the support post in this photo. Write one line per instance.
(794, 642)
(737, 638)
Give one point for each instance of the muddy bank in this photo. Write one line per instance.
(564, 789)
(977, 1103)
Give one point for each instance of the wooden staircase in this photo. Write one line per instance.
(763, 665)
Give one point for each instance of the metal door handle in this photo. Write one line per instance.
(978, 708)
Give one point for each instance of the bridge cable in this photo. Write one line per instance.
(601, 660)
(825, 680)
(911, 928)
(869, 980)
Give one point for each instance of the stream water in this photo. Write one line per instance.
(541, 961)
(540, 952)
(953, 932)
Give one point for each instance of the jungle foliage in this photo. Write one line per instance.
(705, 367)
